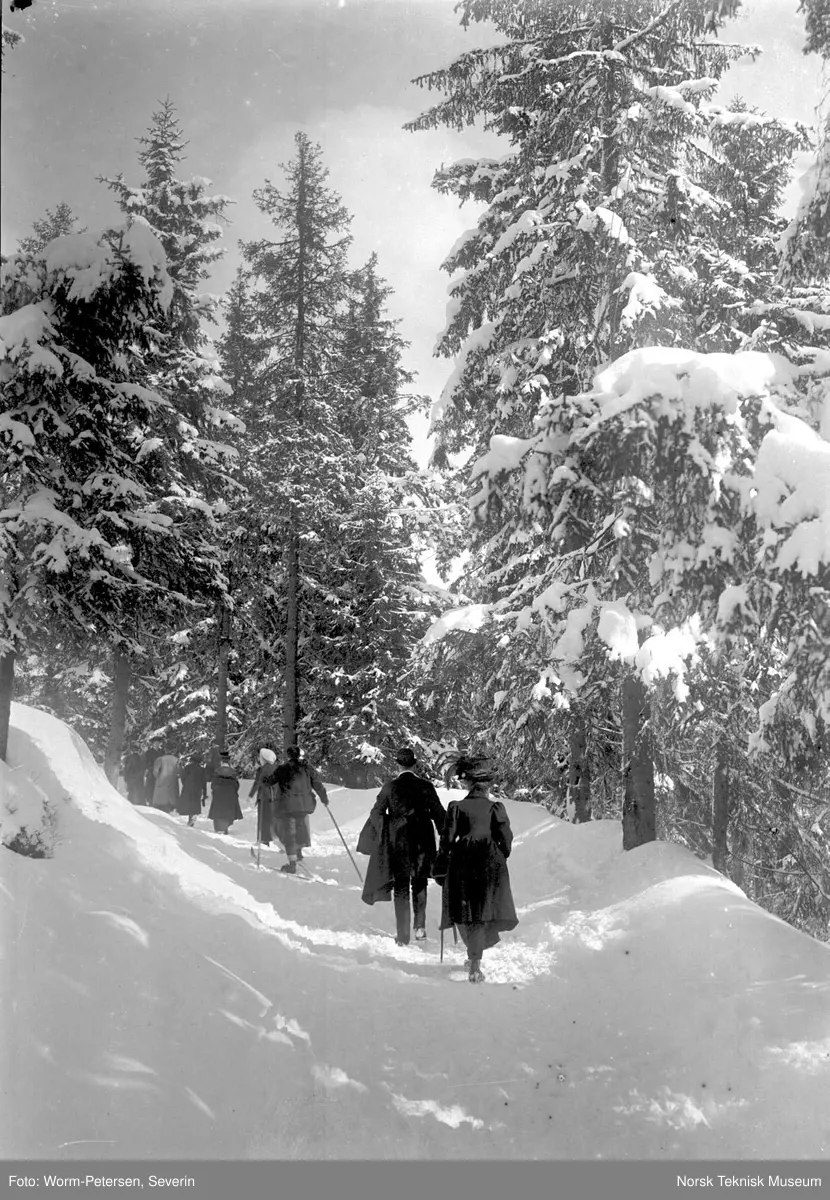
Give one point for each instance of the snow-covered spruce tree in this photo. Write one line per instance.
(603, 232)
(98, 518)
(296, 464)
(330, 596)
(389, 513)
(187, 219)
(54, 223)
(717, 494)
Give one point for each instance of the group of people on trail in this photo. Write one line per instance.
(409, 837)
(286, 793)
(470, 860)
(162, 780)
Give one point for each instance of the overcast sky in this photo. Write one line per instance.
(245, 75)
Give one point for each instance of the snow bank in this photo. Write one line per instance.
(172, 1000)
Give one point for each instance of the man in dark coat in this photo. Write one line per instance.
(295, 783)
(472, 865)
(224, 806)
(402, 819)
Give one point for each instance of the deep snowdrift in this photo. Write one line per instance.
(163, 998)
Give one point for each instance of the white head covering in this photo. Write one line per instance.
(267, 756)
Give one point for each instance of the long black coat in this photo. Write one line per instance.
(472, 856)
(224, 806)
(264, 787)
(194, 790)
(398, 835)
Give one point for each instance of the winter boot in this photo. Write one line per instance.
(289, 868)
(476, 975)
(420, 935)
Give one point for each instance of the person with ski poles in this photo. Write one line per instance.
(297, 782)
(472, 865)
(263, 788)
(399, 839)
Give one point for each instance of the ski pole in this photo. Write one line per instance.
(343, 840)
(441, 959)
(455, 935)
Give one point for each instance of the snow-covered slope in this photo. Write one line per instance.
(164, 998)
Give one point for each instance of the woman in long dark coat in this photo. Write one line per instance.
(194, 789)
(262, 789)
(472, 865)
(224, 788)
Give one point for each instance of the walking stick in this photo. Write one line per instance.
(441, 959)
(455, 935)
(343, 840)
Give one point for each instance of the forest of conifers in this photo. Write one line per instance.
(212, 523)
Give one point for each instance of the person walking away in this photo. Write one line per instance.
(297, 782)
(262, 788)
(194, 789)
(214, 758)
(402, 818)
(150, 756)
(472, 866)
(134, 776)
(224, 789)
(166, 776)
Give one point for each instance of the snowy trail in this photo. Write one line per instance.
(170, 999)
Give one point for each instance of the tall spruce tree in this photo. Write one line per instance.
(187, 220)
(626, 214)
(301, 289)
(91, 516)
(329, 596)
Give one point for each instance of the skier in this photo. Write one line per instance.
(262, 788)
(297, 782)
(194, 789)
(399, 829)
(224, 788)
(166, 776)
(472, 866)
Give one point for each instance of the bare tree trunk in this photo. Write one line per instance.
(290, 696)
(222, 680)
(6, 696)
(579, 777)
(720, 809)
(121, 676)
(638, 816)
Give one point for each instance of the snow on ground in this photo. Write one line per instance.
(164, 998)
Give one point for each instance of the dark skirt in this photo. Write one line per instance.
(477, 889)
(190, 801)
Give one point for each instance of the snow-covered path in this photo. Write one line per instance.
(168, 999)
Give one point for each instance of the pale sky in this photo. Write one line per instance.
(245, 75)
